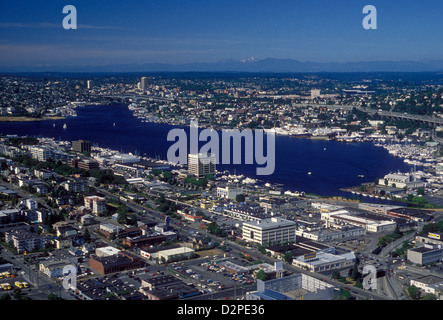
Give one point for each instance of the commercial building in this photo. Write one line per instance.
(105, 288)
(337, 233)
(166, 287)
(269, 231)
(324, 262)
(429, 284)
(371, 223)
(81, 146)
(106, 251)
(54, 269)
(425, 255)
(432, 238)
(168, 255)
(116, 263)
(143, 241)
(85, 164)
(143, 83)
(294, 287)
(201, 164)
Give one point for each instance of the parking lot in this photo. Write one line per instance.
(9, 282)
(207, 275)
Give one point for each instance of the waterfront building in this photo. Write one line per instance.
(400, 180)
(81, 146)
(46, 153)
(201, 164)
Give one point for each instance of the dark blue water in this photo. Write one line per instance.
(332, 165)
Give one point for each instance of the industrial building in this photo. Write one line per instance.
(371, 222)
(121, 261)
(425, 255)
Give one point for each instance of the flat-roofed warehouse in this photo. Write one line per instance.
(371, 222)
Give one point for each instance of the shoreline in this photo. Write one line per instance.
(26, 119)
(204, 125)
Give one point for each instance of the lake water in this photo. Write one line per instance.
(332, 165)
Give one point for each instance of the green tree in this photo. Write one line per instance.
(261, 275)
(87, 235)
(429, 296)
(355, 274)
(413, 292)
(288, 257)
(240, 198)
(5, 296)
(344, 294)
(335, 274)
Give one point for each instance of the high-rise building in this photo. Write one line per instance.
(201, 164)
(144, 83)
(89, 84)
(81, 146)
(269, 231)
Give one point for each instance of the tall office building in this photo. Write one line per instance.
(269, 231)
(89, 84)
(81, 146)
(144, 83)
(201, 164)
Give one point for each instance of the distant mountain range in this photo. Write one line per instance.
(250, 65)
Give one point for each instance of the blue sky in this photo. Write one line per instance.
(172, 31)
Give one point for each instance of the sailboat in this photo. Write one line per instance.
(53, 125)
(65, 126)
